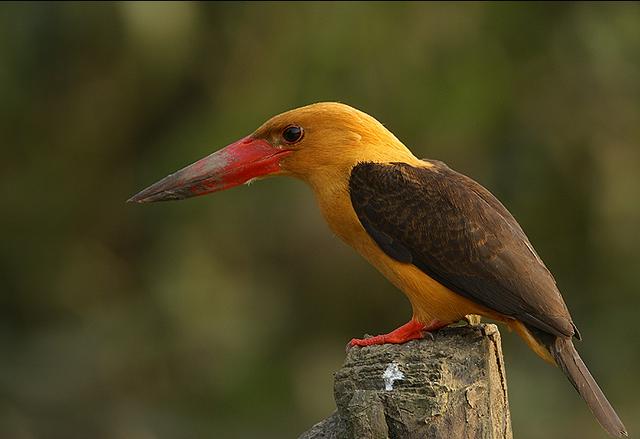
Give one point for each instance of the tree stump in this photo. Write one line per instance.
(453, 386)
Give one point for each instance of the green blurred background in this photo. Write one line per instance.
(211, 317)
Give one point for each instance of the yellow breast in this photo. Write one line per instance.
(429, 299)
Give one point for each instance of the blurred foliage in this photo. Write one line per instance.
(211, 317)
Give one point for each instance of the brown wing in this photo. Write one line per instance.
(457, 232)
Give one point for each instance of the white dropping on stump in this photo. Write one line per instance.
(392, 374)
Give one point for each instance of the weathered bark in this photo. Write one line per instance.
(453, 386)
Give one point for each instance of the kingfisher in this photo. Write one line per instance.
(437, 235)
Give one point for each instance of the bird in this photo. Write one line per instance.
(439, 236)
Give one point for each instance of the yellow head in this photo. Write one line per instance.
(318, 143)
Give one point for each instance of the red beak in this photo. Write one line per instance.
(233, 165)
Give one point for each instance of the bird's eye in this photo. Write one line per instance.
(292, 134)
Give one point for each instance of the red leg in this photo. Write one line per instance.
(412, 330)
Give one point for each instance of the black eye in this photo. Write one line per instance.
(292, 134)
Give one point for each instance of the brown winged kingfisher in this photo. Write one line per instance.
(440, 237)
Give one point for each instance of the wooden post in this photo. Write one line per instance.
(453, 386)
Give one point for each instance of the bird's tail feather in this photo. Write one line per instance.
(569, 361)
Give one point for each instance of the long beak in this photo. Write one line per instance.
(231, 166)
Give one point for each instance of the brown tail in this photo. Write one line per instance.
(567, 358)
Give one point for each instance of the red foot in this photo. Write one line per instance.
(413, 330)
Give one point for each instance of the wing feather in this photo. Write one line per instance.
(457, 232)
